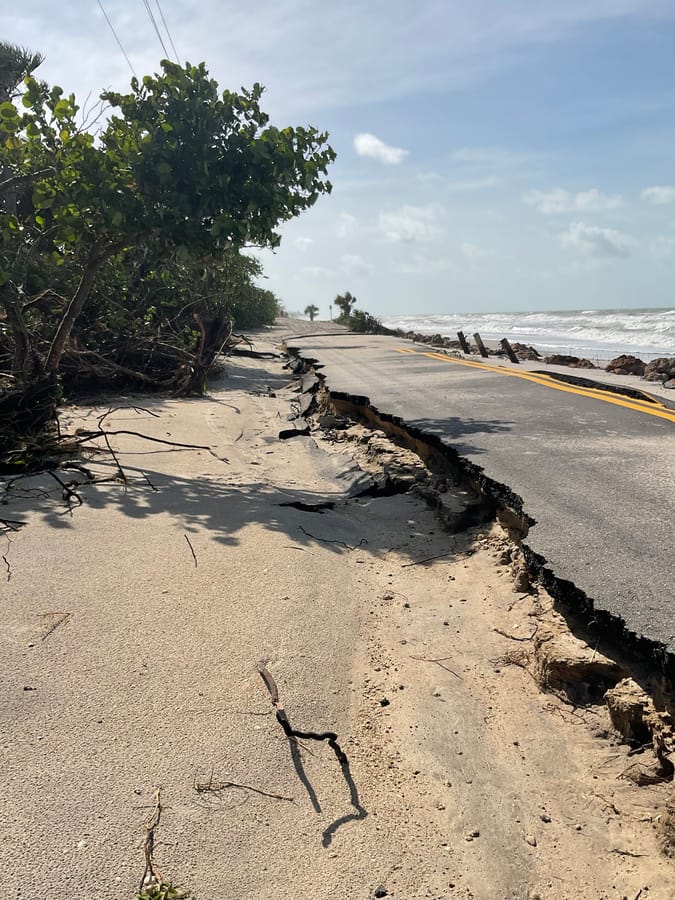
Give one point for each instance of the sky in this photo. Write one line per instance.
(492, 155)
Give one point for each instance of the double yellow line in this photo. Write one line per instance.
(652, 408)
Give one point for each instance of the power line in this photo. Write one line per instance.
(146, 4)
(166, 27)
(119, 42)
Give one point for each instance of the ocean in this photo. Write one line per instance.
(599, 334)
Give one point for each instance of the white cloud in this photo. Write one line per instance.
(346, 224)
(595, 242)
(559, 200)
(314, 56)
(369, 145)
(659, 195)
(355, 265)
(411, 223)
(303, 243)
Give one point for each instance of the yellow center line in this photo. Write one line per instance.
(656, 408)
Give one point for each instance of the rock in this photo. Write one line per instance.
(524, 351)
(521, 584)
(380, 891)
(670, 384)
(626, 365)
(661, 369)
(531, 840)
(575, 362)
(329, 421)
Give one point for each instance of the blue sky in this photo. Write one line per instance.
(492, 155)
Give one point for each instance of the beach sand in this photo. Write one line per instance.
(133, 628)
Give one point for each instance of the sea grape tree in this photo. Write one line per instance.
(180, 173)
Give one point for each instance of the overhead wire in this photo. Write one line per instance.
(166, 28)
(148, 8)
(115, 35)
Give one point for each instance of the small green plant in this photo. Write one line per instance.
(163, 891)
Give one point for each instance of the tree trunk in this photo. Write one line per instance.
(97, 256)
(12, 306)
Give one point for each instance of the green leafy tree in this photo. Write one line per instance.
(181, 172)
(311, 311)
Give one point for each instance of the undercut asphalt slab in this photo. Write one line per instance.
(598, 478)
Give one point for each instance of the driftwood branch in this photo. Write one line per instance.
(214, 787)
(514, 637)
(282, 718)
(83, 436)
(293, 734)
(7, 562)
(150, 875)
(330, 541)
(192, 549)
(60, 618)
(70, 496)
(439, 662)
(419, 562)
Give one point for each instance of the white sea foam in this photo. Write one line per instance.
(596, 333)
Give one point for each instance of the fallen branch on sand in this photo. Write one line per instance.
(291, 732)
(151, 876)
(214, 787)
(60, 618)
(513, 637)
(330, 541)
(192, 549)
(419, 562)
(439, 662)
(153, 887)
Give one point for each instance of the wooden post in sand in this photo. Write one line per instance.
(508, 349)
(463, 343)
(481, 346)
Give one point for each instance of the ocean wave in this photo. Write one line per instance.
(600, 333)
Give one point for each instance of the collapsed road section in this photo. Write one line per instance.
(631, 673)
(590, 483)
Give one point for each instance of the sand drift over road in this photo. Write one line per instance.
(136, 623)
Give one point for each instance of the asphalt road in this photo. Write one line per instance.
(595, 471)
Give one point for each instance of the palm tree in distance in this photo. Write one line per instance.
(311, 311)
(345, 302)
(15, 64)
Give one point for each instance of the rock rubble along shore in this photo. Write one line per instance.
(661, 370)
